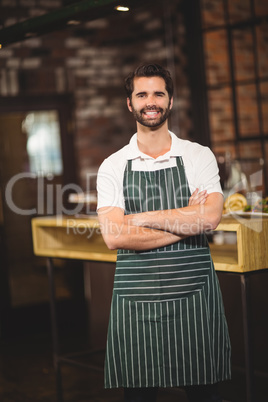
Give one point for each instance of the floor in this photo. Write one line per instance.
(27, 373)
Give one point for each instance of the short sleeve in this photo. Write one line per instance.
(110, 186)
(207, 172)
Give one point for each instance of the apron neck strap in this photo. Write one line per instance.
(129, 165)
(179, 161)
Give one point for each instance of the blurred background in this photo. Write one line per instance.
(63, 110)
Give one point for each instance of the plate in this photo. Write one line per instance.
(247, 214)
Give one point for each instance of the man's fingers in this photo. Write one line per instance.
(198, 197)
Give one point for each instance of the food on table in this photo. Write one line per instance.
(260, 206)
(234, 202)
(237, 202)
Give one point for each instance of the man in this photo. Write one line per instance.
(167, 326)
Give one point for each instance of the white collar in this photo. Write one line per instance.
(177, 149)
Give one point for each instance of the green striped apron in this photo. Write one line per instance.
(167, 325)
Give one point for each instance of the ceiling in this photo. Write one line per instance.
(70, 14)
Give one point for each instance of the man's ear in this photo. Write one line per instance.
(171, 103)
(129, 105)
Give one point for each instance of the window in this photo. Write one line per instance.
(235, 37)
(43, 142)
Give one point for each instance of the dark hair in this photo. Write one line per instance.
(149, 70)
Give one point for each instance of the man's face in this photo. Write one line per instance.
(150, 103)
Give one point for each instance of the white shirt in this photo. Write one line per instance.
(200, 167)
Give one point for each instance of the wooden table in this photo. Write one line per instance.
(80, 238)
(248, 256)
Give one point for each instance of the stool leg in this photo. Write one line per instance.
(54, 328)
(59, 383)
(247, 337)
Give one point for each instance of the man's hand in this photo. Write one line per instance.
(203, 213)
(198, 197)
(117, 232)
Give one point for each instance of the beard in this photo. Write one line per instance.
(139, 115)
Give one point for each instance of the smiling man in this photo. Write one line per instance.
(154, 104)
(157, 197)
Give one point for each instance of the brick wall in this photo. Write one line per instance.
(247, 69)
(90, 61)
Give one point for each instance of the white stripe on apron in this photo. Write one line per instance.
(167, 325)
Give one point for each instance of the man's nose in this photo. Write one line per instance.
(150, 101)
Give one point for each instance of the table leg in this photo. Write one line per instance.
(247, 337)
(54, 329)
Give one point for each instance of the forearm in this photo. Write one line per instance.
(132, 237)
(185, 221)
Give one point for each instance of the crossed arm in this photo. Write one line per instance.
(153, 229)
